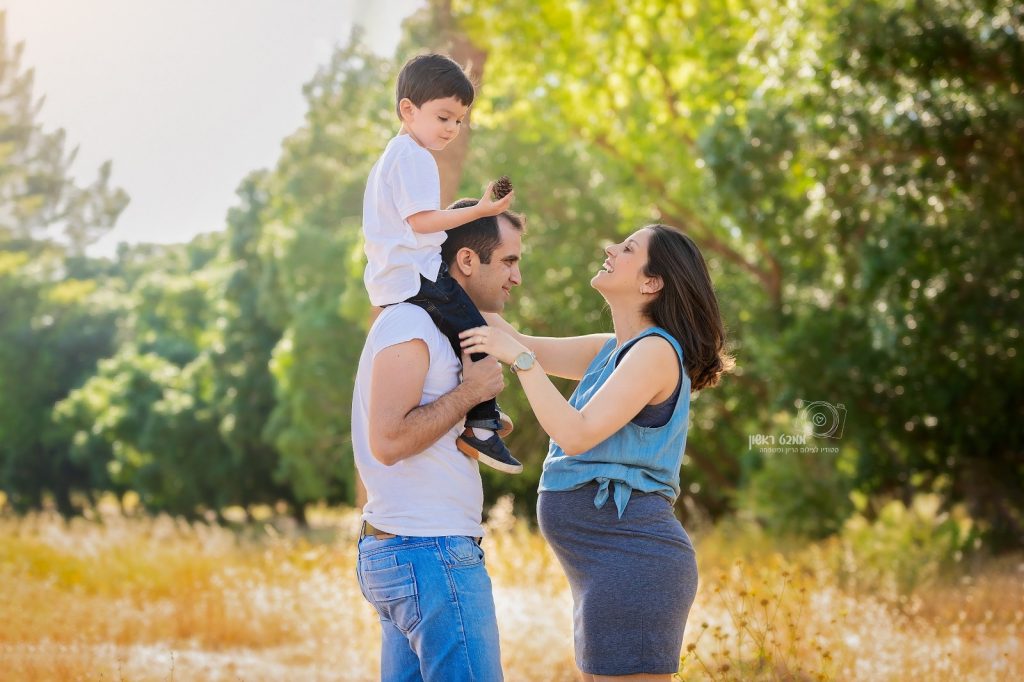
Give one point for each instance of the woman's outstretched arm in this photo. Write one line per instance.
(647, 374)
(567, 357)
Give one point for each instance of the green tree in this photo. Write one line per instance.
(619, 107)
(148, 419)
(244, 388)
(925, 201)
(51, 334)
(55, 321)
(38, 196)
(852, 173)
(311, 246)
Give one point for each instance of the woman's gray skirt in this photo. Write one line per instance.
(633, 579)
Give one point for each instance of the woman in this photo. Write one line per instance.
(621, 434)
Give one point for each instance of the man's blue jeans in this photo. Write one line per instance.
(436, 609)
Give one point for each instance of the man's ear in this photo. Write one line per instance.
(652, 286)
(465, 260)
(405, 107)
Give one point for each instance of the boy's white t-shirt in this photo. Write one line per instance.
(438, 491)
(404, 181)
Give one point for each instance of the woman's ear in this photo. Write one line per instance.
(465, 260)
(652, 285)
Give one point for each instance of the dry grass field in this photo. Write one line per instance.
(129, 597)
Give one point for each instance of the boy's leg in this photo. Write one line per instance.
(453, 311)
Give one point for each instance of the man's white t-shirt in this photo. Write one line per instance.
(403, 182)
(438, 491)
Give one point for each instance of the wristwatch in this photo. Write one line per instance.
(523, 362)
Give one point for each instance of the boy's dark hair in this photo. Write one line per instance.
(432, 76)
(481, 235)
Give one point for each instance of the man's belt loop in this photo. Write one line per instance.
(367, 529)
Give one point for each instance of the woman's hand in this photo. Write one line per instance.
(493, 319)
(494, 342)
(496, 321)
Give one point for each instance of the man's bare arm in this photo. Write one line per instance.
(399, 426)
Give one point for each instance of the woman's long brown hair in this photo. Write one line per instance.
(686, 307)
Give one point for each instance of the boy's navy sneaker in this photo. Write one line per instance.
(491, 452)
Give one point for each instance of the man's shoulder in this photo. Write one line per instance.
(403, 322)
(405, 313)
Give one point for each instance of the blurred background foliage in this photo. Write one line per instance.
(851, 170)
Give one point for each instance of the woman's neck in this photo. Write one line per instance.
(628, 323)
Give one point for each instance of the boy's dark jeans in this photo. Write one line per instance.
(451, 309)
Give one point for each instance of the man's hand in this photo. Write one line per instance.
(488, 206)
(483, 377)
(399, 426)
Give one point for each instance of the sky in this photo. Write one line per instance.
(185, 97)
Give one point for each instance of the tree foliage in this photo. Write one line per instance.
(55, 322)
(851, 171)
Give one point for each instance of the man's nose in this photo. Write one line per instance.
(516, 277)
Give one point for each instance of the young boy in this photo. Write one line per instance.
(404, 227)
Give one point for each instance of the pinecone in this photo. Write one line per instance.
(502, 187)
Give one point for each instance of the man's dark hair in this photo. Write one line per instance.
(481, 235)
(432, 76)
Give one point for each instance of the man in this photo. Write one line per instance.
(420, 561)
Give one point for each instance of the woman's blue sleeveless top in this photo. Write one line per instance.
(642, 458)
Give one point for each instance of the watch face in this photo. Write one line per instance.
(524, 361)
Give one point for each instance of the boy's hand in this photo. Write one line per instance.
(488, 206)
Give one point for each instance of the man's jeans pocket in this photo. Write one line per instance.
(392, 591)
(462, 551)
